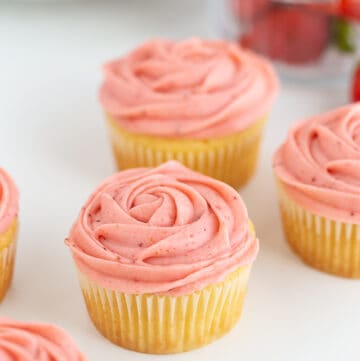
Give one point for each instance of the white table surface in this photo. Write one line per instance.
(53, 141)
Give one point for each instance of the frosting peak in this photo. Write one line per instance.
(165, 230)
(29, 342)
(188, 89)
(8, 201)
(320, 164)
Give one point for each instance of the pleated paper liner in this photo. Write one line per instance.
(7, 258)
(328, 245)
(231, 159)
(166, 324)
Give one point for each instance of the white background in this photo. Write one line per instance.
(53, 141)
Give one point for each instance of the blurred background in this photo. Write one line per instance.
(307, 39)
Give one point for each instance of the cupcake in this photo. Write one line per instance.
(201, 102)
(318, 176)
(164, 256)
(21, 341)
(8, 230)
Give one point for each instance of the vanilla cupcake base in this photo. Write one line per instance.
(166, 324)
(7, 258)
(231, 159)
(328, 245)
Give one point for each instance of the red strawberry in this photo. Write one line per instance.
(350, 8)
(329, 7)
(290, 34)
(248, 9)
(356, 85)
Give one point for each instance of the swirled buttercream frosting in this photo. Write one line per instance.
(194, 88)
(20, 341)
(164, 230)
(8, 201)
(319, 164)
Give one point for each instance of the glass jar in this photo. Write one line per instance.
(305, 39)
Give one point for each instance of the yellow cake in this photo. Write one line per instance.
(8, 230)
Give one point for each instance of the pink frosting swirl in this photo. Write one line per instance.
(188, 89)
(164, 230)
(319, 164)
(35, 342)
(9, 202)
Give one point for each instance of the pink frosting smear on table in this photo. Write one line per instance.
(194, 88)
(20, 341)
(9, 201)
(319, 164)
(165, 230)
